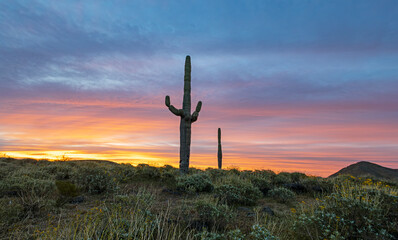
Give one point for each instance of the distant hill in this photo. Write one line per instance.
(368, 169)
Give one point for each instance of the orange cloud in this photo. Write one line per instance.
(145, 132)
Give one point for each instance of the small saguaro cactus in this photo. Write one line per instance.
(219, 153)
(186, 118)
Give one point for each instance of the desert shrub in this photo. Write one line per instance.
(296, 187)
(192, 171)
(66, 188)
(349, 213)
(42, 162)
(143, 199)
(258, 232)
(59, 170)
(24, 197)
(111, 220)
(262, 184)
(123, 173)
(170, 168)
(238, 193)
(215, 173)
(32, 172)
(297, 176)
(265, 174)
(25, 161)
(281, 194)
(7, 169)
(231, 235)
(281, 178)
(195, 183)
(25, 184)
(246, 174)
(389, 205)
(94, 180)
(144, 171)
(346, 178)
(213, 215)
(10, 212)
(168, 178)
(233, 171)
(318, 185)
(168, 175)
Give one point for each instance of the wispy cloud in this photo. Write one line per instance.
(292, 84)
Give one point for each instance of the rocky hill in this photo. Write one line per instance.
(368, 169)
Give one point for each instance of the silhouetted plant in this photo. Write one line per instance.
(219, 153)
(186, 118)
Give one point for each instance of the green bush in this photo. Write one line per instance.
(143, 199)
(168, 175)
(144, 171)
(215, 173)
(94, 180)
(168, 178)
(32, 172)
(234, 171)
(66, 188)
(297, 176)
(318, 185)
(346, 214)
(61, 171)
(238, 193)
(262, 184)
(10, 212)
(258, 232)
(195, 183)
(265, 174)
(281, 194)
(25, 184)
(281, 178)
(214, 215)
(6, 169)
(124, 173)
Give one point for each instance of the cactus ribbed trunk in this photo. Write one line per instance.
(186, 118)
(185, 145)
(219, 153)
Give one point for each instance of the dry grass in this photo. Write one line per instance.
(144, 203)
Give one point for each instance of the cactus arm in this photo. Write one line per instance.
(174, 110)
(195, 114)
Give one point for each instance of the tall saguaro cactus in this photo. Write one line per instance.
(219, 153)
(186, 117)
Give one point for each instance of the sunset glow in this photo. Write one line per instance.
(309, 87)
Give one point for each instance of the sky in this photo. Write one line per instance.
(298, 85)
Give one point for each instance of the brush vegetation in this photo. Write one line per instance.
(105, 200)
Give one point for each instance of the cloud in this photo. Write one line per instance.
(290, 83)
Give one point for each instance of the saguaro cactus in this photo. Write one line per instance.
(219, 153)
(186, 117)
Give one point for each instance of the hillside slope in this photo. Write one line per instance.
(363, 169)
